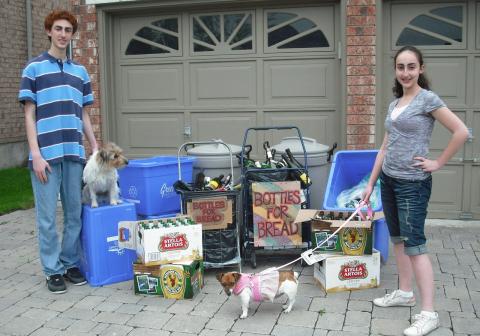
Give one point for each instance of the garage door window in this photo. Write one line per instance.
(441, 26)
(222, 33)
(298, 29)
(159, 37)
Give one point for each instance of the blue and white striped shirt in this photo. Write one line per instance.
(59, 90)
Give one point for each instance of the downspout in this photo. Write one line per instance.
(28, 13)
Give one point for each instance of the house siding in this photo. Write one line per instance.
(360, 66)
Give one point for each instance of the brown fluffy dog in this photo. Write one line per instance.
(100, 175)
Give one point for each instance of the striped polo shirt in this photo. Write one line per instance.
(59, 90)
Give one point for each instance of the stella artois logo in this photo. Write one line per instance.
(173, 241)
(353, 270)
(172, 282)
(353, 238)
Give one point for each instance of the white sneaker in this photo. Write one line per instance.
(395, 298)
(422, 324)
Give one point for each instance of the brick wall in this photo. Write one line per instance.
(360, 43)
(85, 51)
(13, 57)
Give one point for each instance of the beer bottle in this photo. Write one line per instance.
(214, 183)
(199, 181)
(180, 185)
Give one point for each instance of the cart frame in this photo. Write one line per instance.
(248, 247)
(189, 195)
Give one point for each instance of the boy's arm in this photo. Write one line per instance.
(88, 130)
(40, 165)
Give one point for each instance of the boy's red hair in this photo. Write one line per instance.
(60, 15)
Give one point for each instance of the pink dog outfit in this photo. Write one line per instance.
(264, 285)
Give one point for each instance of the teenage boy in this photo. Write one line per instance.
(54, 89)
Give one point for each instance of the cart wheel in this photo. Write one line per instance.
(253, 259)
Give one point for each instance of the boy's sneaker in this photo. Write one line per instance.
(395, 298)
(75, 276)
(423, 323)
(56, 284)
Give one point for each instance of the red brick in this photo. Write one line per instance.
(361, 2)
(360, 119)
(361, 90)
(361, 20)
(360, 70)
(361, 40)
(360, 60)
(360, 50)
(361, 109)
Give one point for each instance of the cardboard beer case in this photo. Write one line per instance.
(355, 238)
(172, 281)
(338, 273)
(162, 245)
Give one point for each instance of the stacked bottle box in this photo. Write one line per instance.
(346, 259)
(170, 255)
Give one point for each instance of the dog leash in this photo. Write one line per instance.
(310, 251)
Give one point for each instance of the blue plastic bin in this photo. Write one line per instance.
(348, 168)
(149, 183)
(102, 261)
(381, 238)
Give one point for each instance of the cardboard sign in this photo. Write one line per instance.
(275, 207)
(213, 213)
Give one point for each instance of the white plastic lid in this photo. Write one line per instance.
(213, 149)
(312, 147)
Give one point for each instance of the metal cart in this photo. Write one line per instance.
(221, 247)
(251, 175)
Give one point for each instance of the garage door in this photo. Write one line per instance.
(197, 75)
(448, 34)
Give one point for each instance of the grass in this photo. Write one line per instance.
(15, 190)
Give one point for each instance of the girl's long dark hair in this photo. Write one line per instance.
(422, 79)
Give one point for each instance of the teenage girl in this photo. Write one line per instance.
(404, 169)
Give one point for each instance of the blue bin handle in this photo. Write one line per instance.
(203, 143)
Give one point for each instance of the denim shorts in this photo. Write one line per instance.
(405, 205)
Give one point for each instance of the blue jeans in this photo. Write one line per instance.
(66, 179)
(405, 205)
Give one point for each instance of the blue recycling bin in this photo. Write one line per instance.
(348, 168)
(103, 262)
(381, 238)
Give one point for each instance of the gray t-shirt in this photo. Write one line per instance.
(409, 136)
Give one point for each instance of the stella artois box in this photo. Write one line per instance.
(159, 243)
(355, 238)
(172, 281)
(338, 273)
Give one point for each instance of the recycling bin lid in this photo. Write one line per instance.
(312, 147)
(216, 149)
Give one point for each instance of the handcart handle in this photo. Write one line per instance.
(267, 128)
(214, 141)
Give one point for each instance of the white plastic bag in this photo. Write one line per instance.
(350, 198)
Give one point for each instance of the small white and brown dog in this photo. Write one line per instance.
(262, 286)
(100, 176)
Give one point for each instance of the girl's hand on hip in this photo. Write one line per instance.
(426, 165)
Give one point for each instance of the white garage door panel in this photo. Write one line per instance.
(306, 82)
(232, 83)
(448, 178)
(153, 85)
(164, 131)
(440, 138)
(229, 127)
(319, 125)
(475, 191)
(477, 78)
(448, 77)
